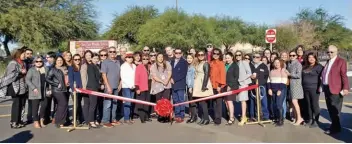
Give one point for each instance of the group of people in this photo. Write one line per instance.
(289, 84)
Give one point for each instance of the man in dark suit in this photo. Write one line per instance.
(179, 73)
(335, 86)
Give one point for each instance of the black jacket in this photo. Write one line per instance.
(55, 78)
(262, 72)
(94, 77)
(232, 76)
(206, 76)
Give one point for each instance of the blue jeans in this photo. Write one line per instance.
(127, 93)
(278, 104)
(285, 92)
(178, 96)
(264, 104)
(109, 108)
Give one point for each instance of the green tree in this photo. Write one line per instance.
(329, 28)
(125, 26)
(227, 30)
(45, 24)
(177, 29)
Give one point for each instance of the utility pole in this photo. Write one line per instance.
(176, 5)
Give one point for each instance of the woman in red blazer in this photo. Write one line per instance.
(141, 84)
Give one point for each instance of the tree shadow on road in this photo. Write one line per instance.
(21, 137)
(5, 100)
(346, 133)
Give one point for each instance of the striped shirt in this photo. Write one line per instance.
(277, 79)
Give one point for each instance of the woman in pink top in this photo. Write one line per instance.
(141, 84)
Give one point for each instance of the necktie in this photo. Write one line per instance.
(325, 70)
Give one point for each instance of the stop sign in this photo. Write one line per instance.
(270, 36)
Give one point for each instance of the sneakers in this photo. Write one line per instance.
(108, 125)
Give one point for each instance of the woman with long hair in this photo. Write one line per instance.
(13, 84)
(137, 58)
(311, 82)
(267, 53)
(128, 69)
(56, 78)
(300, 53)
(93, 84)
(232, 74)
(266, 61)
(161, 74)
(284, 56)
(75, 79)
(218, 81)
(276, 83)
(296, 91)
(190, 84)
(202, 85)
(142, 88)
(37, 89)
(244, 80)
(68, 57)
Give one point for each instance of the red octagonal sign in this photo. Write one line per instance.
(270, 36)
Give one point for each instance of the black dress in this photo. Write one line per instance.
(232, 79)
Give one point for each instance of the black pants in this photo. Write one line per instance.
(163, 94)
(334, 104)
(204, 106)
(311, 96)
(217, 103)
(192, 106)
(36, 113)
(62, 107)
(54, 102)
(17, 106)
(142, 109)
(47, 105)
(99, 109)
(79, 113)
(89, 107)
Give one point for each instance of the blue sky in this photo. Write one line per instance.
(256, 11)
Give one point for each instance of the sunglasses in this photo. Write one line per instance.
(77, 59)
(145, 50)
(209, 46)
(329, 52)
(103, 55)
(112, 51)
(145, 59)
(256, 56)
(216, 54)
(292, 55)
(239, 55)
(200, 54)
(38, 61)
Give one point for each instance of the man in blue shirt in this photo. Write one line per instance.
(179, 73)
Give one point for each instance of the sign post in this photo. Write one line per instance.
(270, 37)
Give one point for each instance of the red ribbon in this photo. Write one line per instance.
(164, 107)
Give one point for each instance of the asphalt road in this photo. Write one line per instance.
(159, 132)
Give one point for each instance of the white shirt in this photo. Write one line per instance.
(127, 75)
(331, 62)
